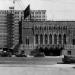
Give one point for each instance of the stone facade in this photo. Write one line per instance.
(49, 34)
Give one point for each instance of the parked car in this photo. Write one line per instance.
(5, 54)
(68, 59)
(39, 54)
(21, 55)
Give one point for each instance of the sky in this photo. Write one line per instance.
(55, 9)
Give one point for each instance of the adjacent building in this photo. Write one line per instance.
(9, 27)
(49, 34)
(9, 31)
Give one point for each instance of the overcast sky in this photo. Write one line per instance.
(56, 9)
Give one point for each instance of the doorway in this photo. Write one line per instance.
(51, 51)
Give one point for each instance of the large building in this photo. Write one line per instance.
(9, 32)
(37, 15)
(9, 27)
(49, 34)
(37, 32)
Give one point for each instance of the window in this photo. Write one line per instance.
(36, 28)
(32, 12)
(49, 28)
(36, 39)
(55, 39)
(43, 12)
(27, 41)
(40, 27)
(21, 12)
(50, 39)
(3, 12)
(16, 12)
(39, 12)
(64, 39)
(46, 38)
(41, 39)
(45, 28)
(65, 28)
(69, 52)
(60, 39)
(73, 41)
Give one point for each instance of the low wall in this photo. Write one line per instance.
(30, 60)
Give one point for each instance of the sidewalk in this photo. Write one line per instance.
(30, 60)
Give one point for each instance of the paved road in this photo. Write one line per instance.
(23, 69)
(35, 66)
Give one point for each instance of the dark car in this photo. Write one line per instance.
(68, 59)
(39, 55)
(5, 54)
(21, 55)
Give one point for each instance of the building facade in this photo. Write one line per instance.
(36, 32)
(37, 15)
(9, 32)
(49, 34)
(9, 27)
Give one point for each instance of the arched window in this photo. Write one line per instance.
(40, 28)
(50, 39)
(27, 41)
(49, 27)
(36, 39)
(46, 39)
(54, 27)
(64, 39)
(60, 39)
(73, 41)
(55, 39)
(45, 28)
(36, 28)
(41, 39)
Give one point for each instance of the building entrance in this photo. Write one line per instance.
(52, 51)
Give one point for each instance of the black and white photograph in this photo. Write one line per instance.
(37, 37)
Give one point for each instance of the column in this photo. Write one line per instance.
(43, 39)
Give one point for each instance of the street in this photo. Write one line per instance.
(22, 69)
(35, 66)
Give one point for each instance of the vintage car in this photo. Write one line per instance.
(68, 59)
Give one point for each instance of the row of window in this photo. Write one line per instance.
(37, 12)
(6, 11)
(60, 37)
(38, 16)
(39, 19)
(50, 27)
